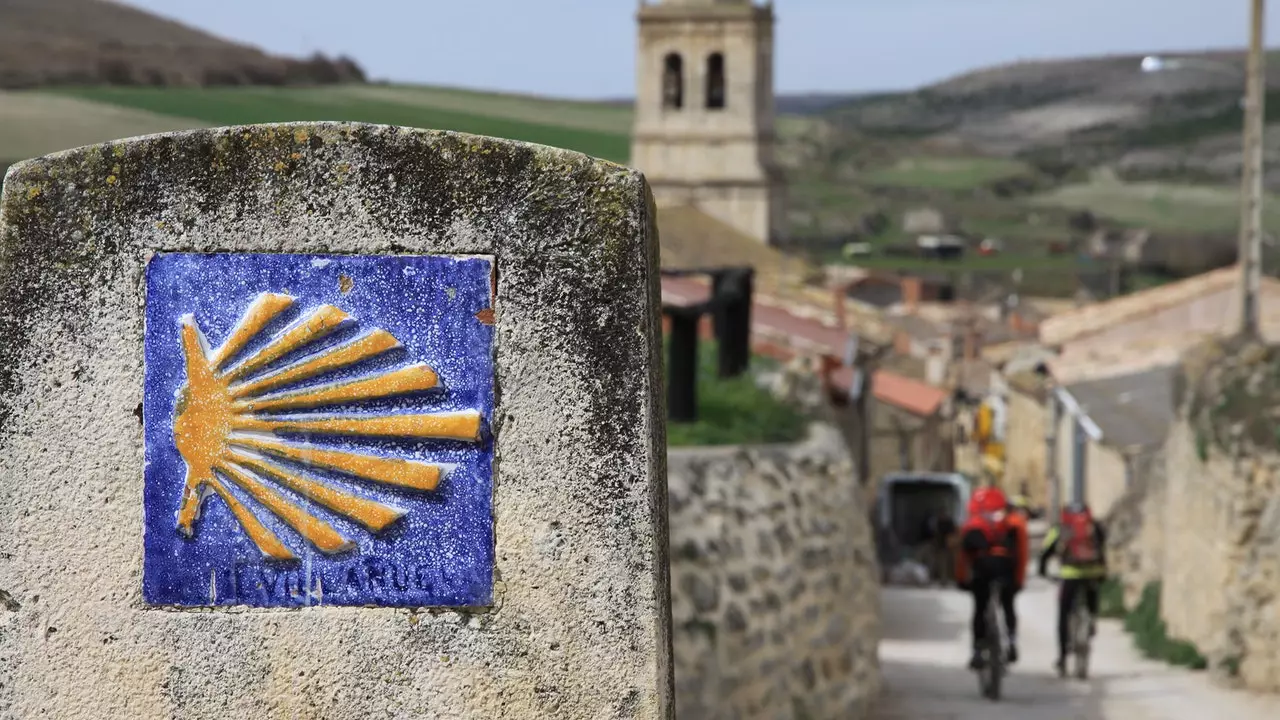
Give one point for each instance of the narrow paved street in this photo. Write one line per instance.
(925, 647)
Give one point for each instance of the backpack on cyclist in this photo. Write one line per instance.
(995, 527)
(1079, 540)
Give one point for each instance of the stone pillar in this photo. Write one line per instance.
(682, 364)
(331, 421)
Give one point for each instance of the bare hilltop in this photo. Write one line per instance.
(49, 43)
(1181, 121)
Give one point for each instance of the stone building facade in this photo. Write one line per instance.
(1026, 453)
(704, 112)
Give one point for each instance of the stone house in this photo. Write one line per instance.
(927, 342)
(1112, 371)
(884, 291)
(1126, 246)
(1025, 449)
(908, 418)
(1177, 315)
(1102, 427)
(908, 425)
(926, 221)
(1112, 403)
(1017, 372)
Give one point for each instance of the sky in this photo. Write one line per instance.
(585, 48)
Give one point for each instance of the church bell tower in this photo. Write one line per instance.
(704, 111)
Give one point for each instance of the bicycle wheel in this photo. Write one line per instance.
(1080, 640)
(994, 665)
(984, 670)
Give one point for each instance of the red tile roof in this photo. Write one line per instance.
(765, 319)
(914, 396)
(911, 395)
(685, 291)
(776, 330)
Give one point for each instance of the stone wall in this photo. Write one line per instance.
(775, 601)
(1207, 523)
(1135, 527)
(1200, 550)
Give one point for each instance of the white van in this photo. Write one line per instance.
(904, 501)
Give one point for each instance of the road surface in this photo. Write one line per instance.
(925, 650)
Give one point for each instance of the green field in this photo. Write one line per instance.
(1161, 206)
(946, 173)
(593, 128)
(972, 261)
(832, 188)
(34, 124)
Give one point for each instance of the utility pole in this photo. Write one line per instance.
(1251, 177)
(866, 361)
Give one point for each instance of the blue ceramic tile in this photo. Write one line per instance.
(317, 431)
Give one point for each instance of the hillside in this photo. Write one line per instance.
(1041, 156)
(34, 123)
(1050, 158)
(1182, 122)
(98, 42)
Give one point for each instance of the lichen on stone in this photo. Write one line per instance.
(1233, 396)
(574, 249)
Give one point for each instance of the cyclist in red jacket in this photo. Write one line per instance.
(993, 546)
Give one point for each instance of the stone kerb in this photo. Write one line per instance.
(330, 421)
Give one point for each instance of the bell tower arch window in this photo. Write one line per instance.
(715, 81)
(673, 81)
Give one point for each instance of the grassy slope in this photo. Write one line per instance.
(830, 201)
(579, 115)
(735, 411)
(946, 173)
(827, 206)
(595, 128)
(559, 123)
(34, 124)
(885, 156)
(1161, 206)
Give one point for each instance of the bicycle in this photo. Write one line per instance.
(992, 666)
(1079, 636)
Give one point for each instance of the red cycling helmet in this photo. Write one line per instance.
(988, 500)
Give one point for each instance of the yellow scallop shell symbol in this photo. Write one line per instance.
(228, 430)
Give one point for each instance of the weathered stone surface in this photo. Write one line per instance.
(783, 538)
(578, 626)
(1135, 528)
(1203, 520)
